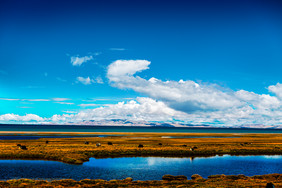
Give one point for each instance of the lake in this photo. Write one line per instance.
(35, 137)
(141, 168)
(79, 128)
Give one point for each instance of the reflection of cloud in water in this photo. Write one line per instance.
(272, 156)
(155, 161)
(166, 137)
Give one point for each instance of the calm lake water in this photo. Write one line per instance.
(35, 137)
(200, 137)
(141, 168)
(76, 128)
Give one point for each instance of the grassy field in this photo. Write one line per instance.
(75, 151)
(197, 181)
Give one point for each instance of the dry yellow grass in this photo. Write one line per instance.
(213, 181)
(73, 150)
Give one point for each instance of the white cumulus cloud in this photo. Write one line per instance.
(122, 68)
(141, 109)
(182, 95)
(203, 103)
(276, 89)
(25, 118)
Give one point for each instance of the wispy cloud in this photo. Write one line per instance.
(35, 100)
(117, 49)
(95, 53)
(69, 112)
(128, 98)
(61, 99)
(86, 105)
(106, 99)
(25, 107)
(32, 87)
(77, 61)
(88, 80)
(67, 103)
(9, 99)
(98, 80)
(85, 81)
(61, 80)
(26, 103)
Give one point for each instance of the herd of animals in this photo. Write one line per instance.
(98, 144)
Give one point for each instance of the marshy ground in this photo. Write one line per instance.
(75, 151)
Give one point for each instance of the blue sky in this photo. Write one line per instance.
(231, 49)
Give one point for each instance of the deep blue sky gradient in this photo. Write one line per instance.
(236, 44)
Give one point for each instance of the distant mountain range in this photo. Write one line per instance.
(130, 123)
(123, 122)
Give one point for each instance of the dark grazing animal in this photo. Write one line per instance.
(110, 143)
(86, 142)
(46, 141)
(23, 147)
(140, 146)
(270, 185)
(98, 144)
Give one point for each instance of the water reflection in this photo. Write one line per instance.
(200, 137)
(141, 168)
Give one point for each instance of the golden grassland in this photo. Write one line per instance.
(196, 181)
(75, 151)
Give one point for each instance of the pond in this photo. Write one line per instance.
(141, 168)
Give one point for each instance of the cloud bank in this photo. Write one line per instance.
(141, 109)
(202, 103)
(25, 118)
(183, 101)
